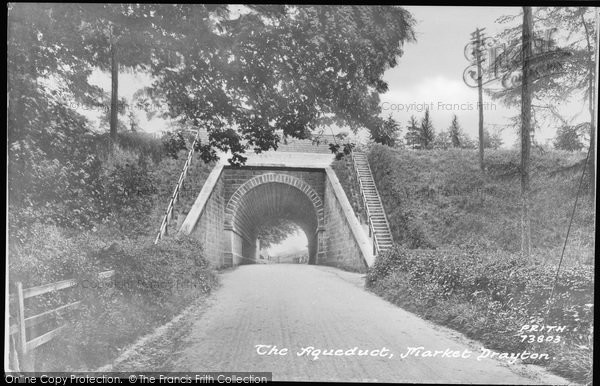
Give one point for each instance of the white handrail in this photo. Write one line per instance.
(167, 217)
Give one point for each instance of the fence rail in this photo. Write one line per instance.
(23, 322)
(175, 196)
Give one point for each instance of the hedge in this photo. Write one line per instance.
(491, 296)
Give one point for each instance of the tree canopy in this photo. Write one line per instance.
(387, 132)
(251, 75)
(413, 133)
(276, 231)
(287, 68)
(427, 135)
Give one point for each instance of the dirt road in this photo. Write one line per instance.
(298, 309)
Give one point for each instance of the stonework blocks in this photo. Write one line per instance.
(225, 224)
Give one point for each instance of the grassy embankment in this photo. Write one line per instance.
(151, 283)
(457, 258)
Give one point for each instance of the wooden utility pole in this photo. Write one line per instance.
(525, 130)
(114, 95)
(478, 38)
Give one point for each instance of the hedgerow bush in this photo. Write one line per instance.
(173, 143)
(48, 256)
(130, 188)
(143, 143)
(152, 283)
(56, 192)
(72, 220)
(458, 231)
(491, 295)
(81, 196)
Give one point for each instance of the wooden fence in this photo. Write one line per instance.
(24, 346)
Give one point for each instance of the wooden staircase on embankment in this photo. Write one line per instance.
(379, 228)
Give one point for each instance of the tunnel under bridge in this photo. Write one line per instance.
(236, 202)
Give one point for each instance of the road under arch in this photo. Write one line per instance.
(263, 200)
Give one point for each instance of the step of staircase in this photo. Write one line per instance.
(372, 201)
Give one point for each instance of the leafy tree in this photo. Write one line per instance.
(116, 37)
(52, 174)
(242, 75)
(491, 140)
(387, 132)
(284, 67)
(274, 232)
(427, 133)
(105, 120)
(173, 142)
(44, 49)
(134, 122)
(563, 69)
(455, 132)
(341, 150)
(412, 133)
(456, 138)
(111, 37)
(569, 138)
(56, 172)
(442, 141)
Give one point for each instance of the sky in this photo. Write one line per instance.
(129, 83)
(430, 73)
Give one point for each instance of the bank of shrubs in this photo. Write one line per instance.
(457, 260)
(151, 284)
(73, 220)
(491, 296)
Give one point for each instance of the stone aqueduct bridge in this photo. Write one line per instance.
(295, 183)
